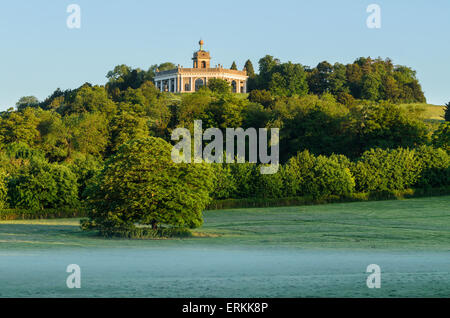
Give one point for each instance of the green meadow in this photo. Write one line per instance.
(303, 251)
(428, 111)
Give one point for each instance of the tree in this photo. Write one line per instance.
(441, 137)
(55, 137)
(27, 101)
(141, 184)
(85, 168)
(389, 126)
(123, 77)
(262, 97)
(19, 127)
(88, 132)
(319, 176)
(447, 112)
(371, 85)
(41, 185)
(434, 167)
(319, 78)
(89, 98)
(127, 125)
(219, 86)
(386, 170)
(288, 79)
(249, 68)
(234, 66)
(266, 69)
(148, 101)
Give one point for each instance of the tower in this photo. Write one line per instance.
(201, 58)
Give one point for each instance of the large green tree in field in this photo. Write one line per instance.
(141, 184)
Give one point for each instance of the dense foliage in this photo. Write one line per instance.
(40, 185)
(141, 184)
(341, 131)
(366, 78)
(3, 189)
(377, 170)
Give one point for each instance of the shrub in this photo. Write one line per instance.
(296, 172)
(441, 137)
(17, 155)
(147, 233)
(219, 86)
(28, 214)
(142, 185)
(262, 97)
(41, 185)
(245, 176)
(434, 167)
(269, 185)
(224, 183)
(386, 170)
(307, 175)
(85, 167)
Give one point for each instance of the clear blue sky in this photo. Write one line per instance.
(38, 53)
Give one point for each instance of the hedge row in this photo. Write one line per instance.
(23, 214)
(354, 197)
(307, 175)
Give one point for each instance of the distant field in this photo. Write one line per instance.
(272, 252)
(433, 112)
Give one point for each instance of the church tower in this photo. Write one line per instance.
(201, 58)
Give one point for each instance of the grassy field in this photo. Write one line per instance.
(319, 251)
(428, 111)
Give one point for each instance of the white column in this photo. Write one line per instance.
(192, 85)
(245, 87)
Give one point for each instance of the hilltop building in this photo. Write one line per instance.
(185, 80)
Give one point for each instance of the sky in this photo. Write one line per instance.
(39, 53)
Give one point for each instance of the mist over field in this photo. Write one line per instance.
(304, 251)
(224, 272)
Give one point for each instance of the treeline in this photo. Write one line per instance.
(307, 175)
(366, 78)
(51, 150)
